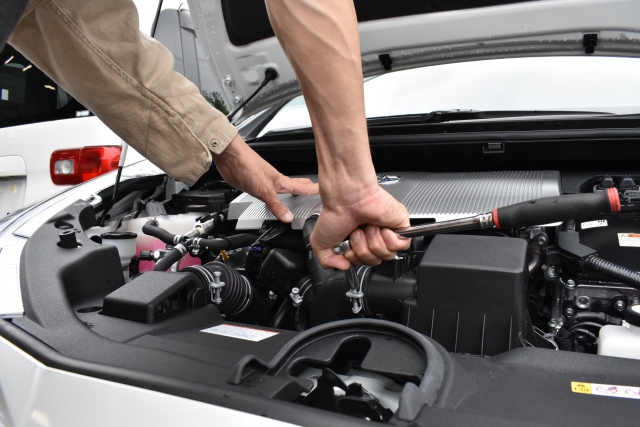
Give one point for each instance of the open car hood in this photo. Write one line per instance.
(241, 45)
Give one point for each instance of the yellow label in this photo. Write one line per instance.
(578, 387)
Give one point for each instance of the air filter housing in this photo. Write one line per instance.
(471, 294)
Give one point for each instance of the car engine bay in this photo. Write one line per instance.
(235, 299)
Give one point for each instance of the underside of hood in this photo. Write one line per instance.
(240, 44)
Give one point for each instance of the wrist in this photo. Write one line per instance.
(231, 151)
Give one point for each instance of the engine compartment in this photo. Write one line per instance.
(241, 296)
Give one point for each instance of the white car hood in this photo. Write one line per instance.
(539, 28)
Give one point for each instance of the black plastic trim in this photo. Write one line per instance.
(288, 412)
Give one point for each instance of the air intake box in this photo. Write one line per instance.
(471, 294)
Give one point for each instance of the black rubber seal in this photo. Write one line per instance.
(118, 235)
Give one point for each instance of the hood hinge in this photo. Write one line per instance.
(590, 41)
(386, 61)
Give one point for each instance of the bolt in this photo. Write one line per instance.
(569, 312)
(272, 296)
(570, 284)
(228, 80)
(542, 239)
(553, 323)
(237, 99)
(620, 305)
(551, 271)
(295, 291)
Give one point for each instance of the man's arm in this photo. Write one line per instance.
(311, 31)
(95, 50)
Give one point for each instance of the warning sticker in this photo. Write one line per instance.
(629, 239)
(240, 332)
(594, 224)
(581, 387)
(623, 391)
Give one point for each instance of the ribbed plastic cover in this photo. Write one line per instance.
(469, 193)
(441, 196)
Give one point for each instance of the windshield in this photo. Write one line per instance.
(604, 84)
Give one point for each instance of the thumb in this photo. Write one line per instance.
(278, 208)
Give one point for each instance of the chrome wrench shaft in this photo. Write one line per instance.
(461, 224)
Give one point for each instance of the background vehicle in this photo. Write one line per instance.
(514, 323)
(41, 124)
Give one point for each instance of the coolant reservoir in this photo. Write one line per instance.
(622, 341)
(175, 224)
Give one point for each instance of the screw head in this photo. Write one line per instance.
(295, 291)
(551, 271)
(620, 305)
(583, 301)
(272, 296)
(542, 239)
(237, 99)
(553, 323)
(569, 312)
(570, 284)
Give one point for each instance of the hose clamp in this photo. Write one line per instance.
(216, 287)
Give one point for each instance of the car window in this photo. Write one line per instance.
(604, 84)
(27, 95)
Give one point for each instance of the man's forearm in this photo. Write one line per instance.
(322, 43)
(95, 50)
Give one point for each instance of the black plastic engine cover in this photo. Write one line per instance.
(601, 233)
(472, 294)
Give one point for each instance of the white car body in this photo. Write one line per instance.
(24, 171)
(33, 394)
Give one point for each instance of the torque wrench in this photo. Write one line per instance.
(533, 212)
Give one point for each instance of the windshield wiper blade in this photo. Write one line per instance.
(460, 115)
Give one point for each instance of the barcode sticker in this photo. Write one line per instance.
(240, 332)
(594, 224)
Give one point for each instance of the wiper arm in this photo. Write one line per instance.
(459, 115)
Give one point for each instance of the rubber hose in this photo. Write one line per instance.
(281, 314)
(535, 261)
(594, 317)
(230, 242)
(169, 259)
(151, 228)
(318, 274)
(301, 319)
(565, 340)
(584, 325)
(614, 271)
(236, 294)
(586, 332)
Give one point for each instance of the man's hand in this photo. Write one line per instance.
(372, 244)
(311, 31)
(245, 170)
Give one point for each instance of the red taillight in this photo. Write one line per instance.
(69, 167)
